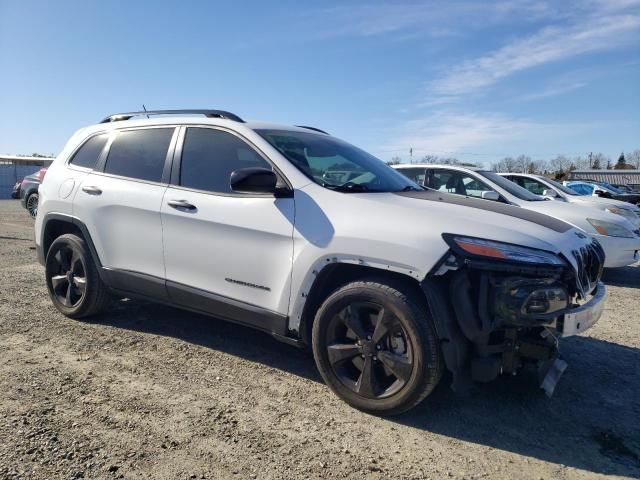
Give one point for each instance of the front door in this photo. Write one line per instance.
(217, 242)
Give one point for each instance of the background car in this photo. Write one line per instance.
(604, 190)
(624, 188)
(15, 193)
(618, 237)
(29, 191)
(541, 185)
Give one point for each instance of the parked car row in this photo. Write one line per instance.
(297, 233)
(617, 229)
(603, 190)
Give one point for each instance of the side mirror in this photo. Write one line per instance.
(549, 193)
(490, 195)
(253, 180)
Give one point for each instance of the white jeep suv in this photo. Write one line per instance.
(294, 232)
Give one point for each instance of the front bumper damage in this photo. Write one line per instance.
(496, 319)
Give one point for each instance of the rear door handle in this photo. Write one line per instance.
(181, 205)
(91, 190)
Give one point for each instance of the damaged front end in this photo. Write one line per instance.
(498, 307)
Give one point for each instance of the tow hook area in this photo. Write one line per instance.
(553, 373)
(519, 347)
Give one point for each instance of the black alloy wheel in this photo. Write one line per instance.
(68, 278)
(73, 281)
(369, 350)
(376, 347)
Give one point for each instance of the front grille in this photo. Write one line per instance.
(590, 261)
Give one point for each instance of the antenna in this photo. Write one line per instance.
(145, 109)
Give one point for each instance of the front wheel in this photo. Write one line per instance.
(376, 347)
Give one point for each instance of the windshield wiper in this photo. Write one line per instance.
(348, 187)
(411, 188)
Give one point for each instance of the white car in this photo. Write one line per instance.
(541, 185)
(619, 238)
(299, 234)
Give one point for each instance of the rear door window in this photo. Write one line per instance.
(139, 154)
(88, 154)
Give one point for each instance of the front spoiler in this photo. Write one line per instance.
(585, 316)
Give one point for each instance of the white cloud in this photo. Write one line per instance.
(468, 134)
(550, 44)
(432, 18)
(552, 91)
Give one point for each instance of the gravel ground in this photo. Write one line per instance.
(148, 391)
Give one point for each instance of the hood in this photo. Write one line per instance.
(404, 229)
(577, 215)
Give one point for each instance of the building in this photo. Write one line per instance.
(14, 168)
(618, 177)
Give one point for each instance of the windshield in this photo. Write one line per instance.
(511, 187)
(561, 187)
(610, 188)
(336, 165)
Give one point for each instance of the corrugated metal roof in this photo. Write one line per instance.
(25, 158)
(621, 177)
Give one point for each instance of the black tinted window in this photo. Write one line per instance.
(139, 153)
(209, 156)
(88, 154)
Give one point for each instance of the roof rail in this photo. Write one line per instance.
(207, 113)
(312, 128)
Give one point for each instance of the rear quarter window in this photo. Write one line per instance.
(88, 154)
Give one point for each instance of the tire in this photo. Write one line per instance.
(72, 278)
(32, 204)
(376, 347)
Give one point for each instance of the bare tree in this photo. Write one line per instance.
(560, 165)
(507, 164)
(633, 158)
(599, 160)
(394, 161)
(580, 163)
(430, 159)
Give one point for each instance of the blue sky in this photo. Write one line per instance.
(475, 80)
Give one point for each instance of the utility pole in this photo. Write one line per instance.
(411, 155)
(590, 161)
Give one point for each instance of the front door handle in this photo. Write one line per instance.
(91, 190)
(181, 205)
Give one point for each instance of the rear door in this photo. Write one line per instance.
(120, 204)
(218, 244)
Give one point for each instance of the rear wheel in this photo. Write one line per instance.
(72, 278)
(32, 204)
(376, 348)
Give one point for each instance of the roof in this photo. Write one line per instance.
(188, 119)
(622, 177)
(436, 165)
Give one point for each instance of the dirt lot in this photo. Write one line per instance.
(151, 392)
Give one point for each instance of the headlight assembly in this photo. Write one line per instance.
(610, 229)
(628, 214)
(489, 249)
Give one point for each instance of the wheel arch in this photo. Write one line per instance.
(56, 224)
(334, 275)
